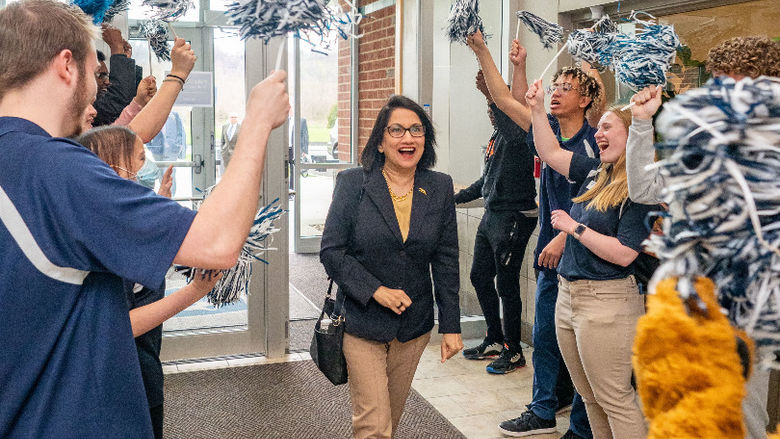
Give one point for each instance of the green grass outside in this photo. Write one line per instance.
(318, 131)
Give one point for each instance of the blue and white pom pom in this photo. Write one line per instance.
(550, 34)
(644, 59)
(313, 21)
(464, 20)
(117, 7)
(156, 33)
(722, 178)
(235, 282)
(94, 8)
(593, 45)
(167, 10)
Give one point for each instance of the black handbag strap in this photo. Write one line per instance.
(340, 296)
(339, 300)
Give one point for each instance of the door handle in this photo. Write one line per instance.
(198, 160)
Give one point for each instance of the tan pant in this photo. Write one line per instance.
(380, 376)
(596, 324)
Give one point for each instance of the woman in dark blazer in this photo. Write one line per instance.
(390, 243)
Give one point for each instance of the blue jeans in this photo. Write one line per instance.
(551, 379)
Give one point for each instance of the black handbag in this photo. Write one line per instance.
(327, 343)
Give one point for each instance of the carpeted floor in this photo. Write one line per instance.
(308, 275)
(283, 400)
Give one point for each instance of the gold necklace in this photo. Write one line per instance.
(396, 198)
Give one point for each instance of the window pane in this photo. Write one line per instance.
(219, 5)
(229, 89)
(174, 142)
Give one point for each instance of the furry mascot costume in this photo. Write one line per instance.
(689, 374)
(720, 263)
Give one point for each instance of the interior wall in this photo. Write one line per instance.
(458, 108)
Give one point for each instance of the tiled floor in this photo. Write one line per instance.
(473, 400)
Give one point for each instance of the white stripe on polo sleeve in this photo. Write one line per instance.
(19, 231)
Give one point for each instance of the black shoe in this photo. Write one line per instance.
(528, 424)
(486, 349)
(571, 435)
(507, 361)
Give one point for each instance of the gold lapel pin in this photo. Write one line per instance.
(422, 191)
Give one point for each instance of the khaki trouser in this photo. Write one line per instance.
(380, 376)
(596, 324)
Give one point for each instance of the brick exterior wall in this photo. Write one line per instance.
(376, 74)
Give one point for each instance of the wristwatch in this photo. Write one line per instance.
(579, 230)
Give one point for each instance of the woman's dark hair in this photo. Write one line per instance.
(372, 157)
(112, 144)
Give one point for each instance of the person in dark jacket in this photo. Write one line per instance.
(391, 237)
(116, 93)
(508, 188)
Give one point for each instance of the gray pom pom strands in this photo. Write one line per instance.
(116, 8)
(592, 45)
(311, 20)
(549, 33)
(167, 10)
(643, 60)
(235, 282)
(464, 20)
(722, 182)
(156, 33)
(605, 25)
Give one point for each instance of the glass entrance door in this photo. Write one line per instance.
(321, 133)
(202, 330)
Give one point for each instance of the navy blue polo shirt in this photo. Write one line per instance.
(70, 230)
(628, 226)
(555, 191)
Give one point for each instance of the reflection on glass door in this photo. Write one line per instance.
(230, 92)
(193, 136)
(320, 134)
(173, 145)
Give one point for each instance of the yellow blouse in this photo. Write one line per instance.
(403, 212)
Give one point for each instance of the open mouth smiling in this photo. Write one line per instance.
(407, 151)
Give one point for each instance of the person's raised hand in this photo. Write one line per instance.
(535, 95)
(113, 37)
(166, 183)
(146, 90)
(646, 102)
(182, 58)
(475, 41)
(268, 101)
(451, 344)
(517, 53)
(127, 48)
(392, 299)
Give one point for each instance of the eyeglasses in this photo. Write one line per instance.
(101, 76)
(396, 130)
(130, 175)
(563, 88)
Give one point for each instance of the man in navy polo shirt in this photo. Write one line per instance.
(572, 95)
(71, 229)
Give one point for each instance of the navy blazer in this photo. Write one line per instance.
(376, 254)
